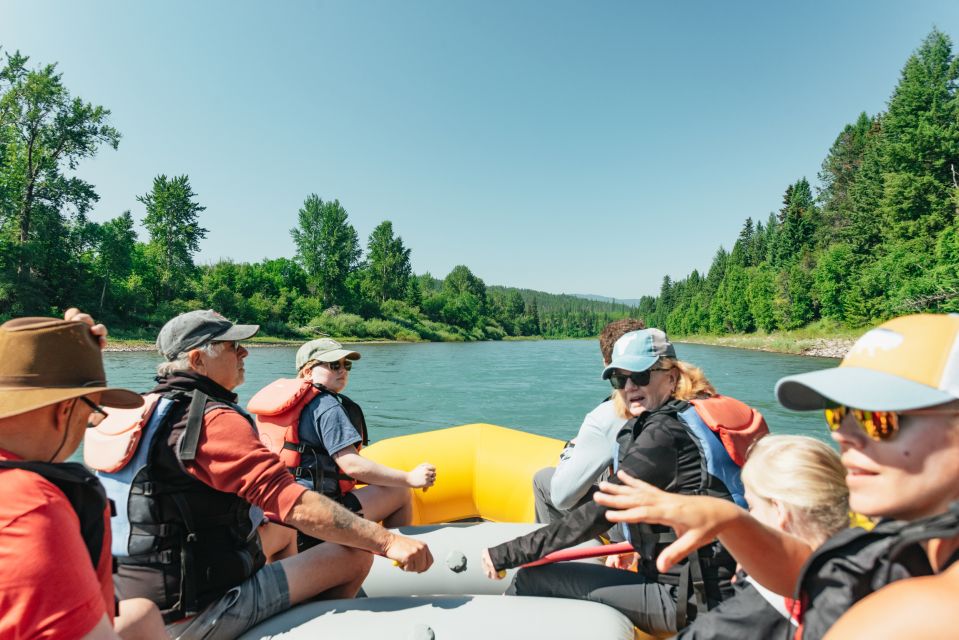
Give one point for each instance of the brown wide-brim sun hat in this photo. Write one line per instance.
(44, 361)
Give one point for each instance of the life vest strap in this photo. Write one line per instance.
(161, 557)
(161, 530)
(299, 447)
(194, 424)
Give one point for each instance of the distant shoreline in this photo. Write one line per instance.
(835, 347)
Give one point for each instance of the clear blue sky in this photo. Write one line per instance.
(563, 146)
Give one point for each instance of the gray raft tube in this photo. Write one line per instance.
(449, 601)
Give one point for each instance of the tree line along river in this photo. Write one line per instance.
(543, 387)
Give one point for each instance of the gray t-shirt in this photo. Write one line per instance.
(325, 425)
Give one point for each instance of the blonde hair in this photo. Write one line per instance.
(692, 385)
(309, 365)
(806, 477)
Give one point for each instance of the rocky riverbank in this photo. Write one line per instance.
(829, 348)
(779, 343)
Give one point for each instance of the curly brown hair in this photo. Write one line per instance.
(613, 332)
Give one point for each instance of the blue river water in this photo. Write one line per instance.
(543, 387)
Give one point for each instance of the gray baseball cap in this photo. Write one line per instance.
(639, 350)
(323, 350)
(195, 329)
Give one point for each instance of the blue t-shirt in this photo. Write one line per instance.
(325, 425)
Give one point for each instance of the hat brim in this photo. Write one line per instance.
(630, 363)
(336, 354)
(14, 401)
(238, 332)
(856, 387)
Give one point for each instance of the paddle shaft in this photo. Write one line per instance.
(581, 554)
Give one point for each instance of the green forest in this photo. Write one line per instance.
(878, 237)
(53, 256)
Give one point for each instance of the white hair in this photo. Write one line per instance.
(182, 361)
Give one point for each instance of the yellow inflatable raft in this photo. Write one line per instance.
(483, 471)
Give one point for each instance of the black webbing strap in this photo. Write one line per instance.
(194, 425)
(699, 583)
(943, 525)
(691, 575)
(682, 598)
(188, 603)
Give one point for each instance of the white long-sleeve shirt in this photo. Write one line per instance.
(580, 465)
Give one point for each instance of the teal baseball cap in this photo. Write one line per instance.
(639, 350)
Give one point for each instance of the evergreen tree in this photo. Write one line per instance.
(742, 253)
(838, 174)
(797, 226)
(921, 143)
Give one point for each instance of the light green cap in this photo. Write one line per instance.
(323, 350)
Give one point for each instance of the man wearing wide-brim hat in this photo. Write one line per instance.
(190, 513)
(55, 562)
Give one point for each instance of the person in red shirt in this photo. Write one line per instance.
(55, 563)
(194, 494)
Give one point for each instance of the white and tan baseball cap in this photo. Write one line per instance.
(907, 363)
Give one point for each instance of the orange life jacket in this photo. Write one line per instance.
(277, 408)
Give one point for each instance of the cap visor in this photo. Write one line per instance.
(338, 354)
(630, 363)
(15, 402)
(238, 332)
(856, 387)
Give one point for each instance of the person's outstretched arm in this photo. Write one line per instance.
(773, 558)
(370, 472)
(316, 515)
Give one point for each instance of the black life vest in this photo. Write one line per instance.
(327, 476)
(705, 574)
(187, 543)
(855, 562)
(86, 496)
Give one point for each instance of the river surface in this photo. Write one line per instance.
(543, 387)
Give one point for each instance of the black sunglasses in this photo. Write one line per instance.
(639, 378)
(335, 366)
(98, 411)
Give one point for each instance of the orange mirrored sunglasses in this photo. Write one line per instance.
(878, 425)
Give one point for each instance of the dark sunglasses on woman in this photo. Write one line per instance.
(639, 378)
(335, 366)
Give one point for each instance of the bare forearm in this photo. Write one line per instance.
(318, 516)
(772, 558)
(370, 472)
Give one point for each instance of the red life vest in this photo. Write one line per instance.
(277, 408)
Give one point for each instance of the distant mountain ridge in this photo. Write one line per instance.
(629, 302)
